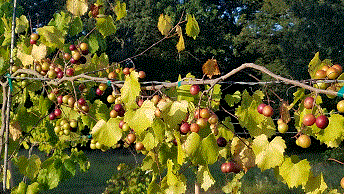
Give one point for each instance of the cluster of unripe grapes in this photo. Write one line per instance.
(64, 126)
(80, 105)
(33, 38)
(328, 72)
(308, 120)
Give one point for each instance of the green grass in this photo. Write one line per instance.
(103, 166)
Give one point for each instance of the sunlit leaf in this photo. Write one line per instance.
(106, 26)
(181, 45)
(295, 172)
(39, 52)
(204, 177)
(210, 68)
(192, 28)
(77, 7)
(164, 24)
(120, 10)
(22, 24)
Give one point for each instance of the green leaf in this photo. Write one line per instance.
(106, 26)
(192, 143)
(295, 172)
(176, 114)
(93, 43)
(102, 111)
(268, 154)
(333, 134)
(22, 24)
(233, 99)
(21, 189)
(315, 184)
(153, 187)
(172, 182)
(164, 24)
(69, 166)
(145, 115)
(33, 188)
(77, 7)
(149, 141)
(120, 10)
(107, 133)
(52, 37)
(208, 151)
(75, 26)
(159, 128)
(181, 153)
(3, 66)
(249, 117)
(24, 58)
(181, 44)
(226, 129)
(234, 185)
(29, 167)
(204, 177)
(130, 90)
(70, 113)
(61, 21)
(314, 65)
(192, 28)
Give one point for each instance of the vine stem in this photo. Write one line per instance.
(336, 161)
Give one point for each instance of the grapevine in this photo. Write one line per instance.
(60, 94)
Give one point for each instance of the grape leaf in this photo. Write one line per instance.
(145, 115)
(77, 7)
(173, 183)
(245, 157)
(226, 129)
(234, 185)
(216, 95)
(15, 130)
(295, 172)
(149, 141)
(176, 114)
(183, 91)
(268, 154)
(191, 144)
(21, 189)
(181, 152)
(106, 26)
(208, 151)
(24, 58)
(315, 184)
(159, 128)
(61, 21)
(22, 24)
(333, 134)
(164, 24)
(181, 44)
(210, 68)
(39, 52)
(130, 90)
(3, 66)
(32, 188)
(249, 117)
(75, 26)
(314, 65)
(102, 111)
(93, 43)
(192, 28)
(29, 166)
(204, 177)
(153, 187)
(107, 133)
(233, 99)
(51, 36)
(120, 10)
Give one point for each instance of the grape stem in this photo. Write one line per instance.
(336, 161)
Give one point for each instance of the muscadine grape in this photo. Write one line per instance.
(99, 145)
(213, 119)
(66, 132)
(83, 46)
(52, 116)
(304, 141)
(113, 114)
(117, 70)
(142, 74)
(332, 73)
(194, 128)
(125, 127)
(110, 99)
(322, 121)
(73, 123)
(221, 142)
(73, 61)
(71, 102)
(82, 60)
(204, 113)
(282, 127)
(120, 124)
(57, 129)
(342, 183)
(81, 101)
(34, 36)
(52, 96)
(33, 41)
(308, 119)
(139, 146)
(155, 99)
(126, 71)
(157, 112)
(308, 102)
(112, 75)
(93, 146)
(202, 123)
(99, 92)
(118, 107)
(57, 112)
(102, 86)
(72, 47)
(67, 56)
(184, 128)
(260, 108)
(66, 126)
(268, 111)
(59, 75)
(85, 108)
(338, 68)
(320, 74)
(121, 113)
(340, 106)
(131, 138)
(70, 72)
(140, 102)
(194, 89)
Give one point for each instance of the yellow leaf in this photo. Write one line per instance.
(39, 52)
(164, 24)
(179, 30)
(210, 68)
(15, 130)
(77, 7)
(25, 58)
(180, 46)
